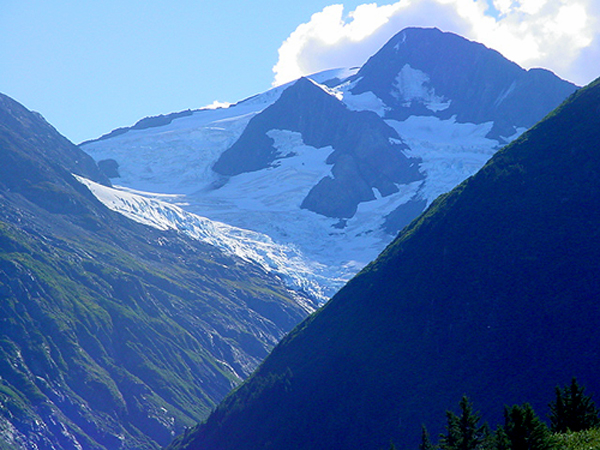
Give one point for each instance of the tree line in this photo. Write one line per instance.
(571, 411)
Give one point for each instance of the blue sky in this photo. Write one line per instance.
(91, 66)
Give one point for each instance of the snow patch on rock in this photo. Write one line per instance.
(367, 101)
(411, 86)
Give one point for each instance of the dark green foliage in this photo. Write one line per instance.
(500, 440)
(463, 432)
(581, 440)
(425, 440)
(523, 430)
(573, 410)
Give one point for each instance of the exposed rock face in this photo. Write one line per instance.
(21, 130)
(109, 167)
(366, 152)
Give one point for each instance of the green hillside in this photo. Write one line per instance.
(582, 440)
(112, 334)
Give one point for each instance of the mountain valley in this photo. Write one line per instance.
(369, 225)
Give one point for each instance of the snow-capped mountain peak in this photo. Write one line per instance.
(336, 163)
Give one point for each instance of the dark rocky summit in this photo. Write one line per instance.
(424, 71)
(366, 153)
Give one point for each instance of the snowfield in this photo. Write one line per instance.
(257, 215)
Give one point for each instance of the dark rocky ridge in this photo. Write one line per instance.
(147, 122)
(109, 167)
(21, 130)
(363, 155)
(481, 84)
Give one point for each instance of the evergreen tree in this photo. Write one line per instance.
(425, 441)
(523, 430)
(463, 432)
(573, 410)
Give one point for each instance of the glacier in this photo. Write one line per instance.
(285, 261)
(311, 252)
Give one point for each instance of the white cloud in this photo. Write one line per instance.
(562, 35)
(217, 105)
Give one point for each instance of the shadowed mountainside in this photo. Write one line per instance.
(492, 292)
